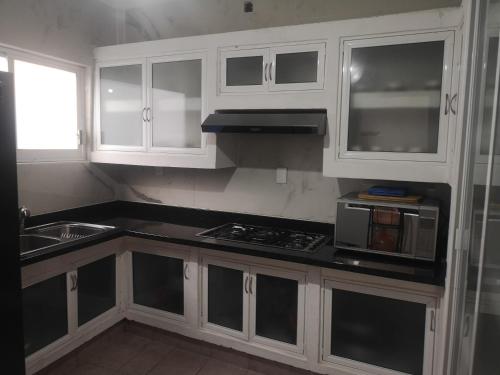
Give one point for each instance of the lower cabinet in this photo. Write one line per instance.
(254, 303)
(96, 288)
(158, 282)
(45, 313)
(378, 330)
(62, 308)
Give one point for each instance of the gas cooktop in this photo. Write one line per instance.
(267, 236)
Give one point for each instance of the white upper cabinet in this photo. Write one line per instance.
(276, 68)
(149, 112)
(175, 103)
(396, 97)
(121, 106)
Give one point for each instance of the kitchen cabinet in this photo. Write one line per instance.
(69, 299)
(159, 282)
(254, 303)
(397, 98)
(45, 313)
(275, 68)
(95, 285)
(120, 108)
(149, 111)
(378, 330)
(225, 297)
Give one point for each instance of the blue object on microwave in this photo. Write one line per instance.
(388, 191)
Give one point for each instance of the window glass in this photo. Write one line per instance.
(4, 64)
(46, 107)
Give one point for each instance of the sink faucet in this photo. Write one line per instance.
(24, 213)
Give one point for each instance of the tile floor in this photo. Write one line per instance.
(134, 349)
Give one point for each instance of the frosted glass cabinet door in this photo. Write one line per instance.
(370, 328)
(297, 67)
(396, 97)
(96, 288)
(158, 282)
(121, 106)
(244, 70)
(176, 103)
(45, 313)
(225, 297)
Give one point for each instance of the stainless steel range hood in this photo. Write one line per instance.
(269, 121)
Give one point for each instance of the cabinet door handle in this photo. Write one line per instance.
(271, 71)
(433, 321)
(251, 279)
(186, 271)
(144, 115)
(74, 283)
(148, 114)
(446, 104)
(246, 284)
(453, 99)
(265, 72)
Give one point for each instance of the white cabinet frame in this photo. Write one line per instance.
(168, 253)
(149, 82)
(249, 294)
(448, 37)
(224, 55)
(244, 294)
(91, 324)
(99, 146)
(68, 264)
(320, 74)
(269, 54)
(430, 325)
(300, 277)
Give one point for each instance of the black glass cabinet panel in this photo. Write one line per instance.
(225, 297)
(380, 331)
(276, 308)
(45, 313)
(96, 288)
(158, 282)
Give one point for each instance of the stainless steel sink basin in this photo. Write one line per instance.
(29, 242)
(67, 231)
(54, 233)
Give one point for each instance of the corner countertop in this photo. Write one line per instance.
(182, 233)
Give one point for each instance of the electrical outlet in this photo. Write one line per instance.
(281, 174)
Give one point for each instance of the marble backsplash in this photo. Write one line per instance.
(49, 187)
(251, 186)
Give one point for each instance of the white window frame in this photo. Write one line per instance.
(81, 71)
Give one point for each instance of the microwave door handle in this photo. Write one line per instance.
(349, 207)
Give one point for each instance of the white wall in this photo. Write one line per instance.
(68, 29)
(159, 19)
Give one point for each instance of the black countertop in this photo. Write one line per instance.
(178, 226)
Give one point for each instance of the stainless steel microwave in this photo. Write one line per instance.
(396, 229)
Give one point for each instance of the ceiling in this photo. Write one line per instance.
(159, 19)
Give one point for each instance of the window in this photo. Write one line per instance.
(46, 107)
(4, 64)
(49, 106)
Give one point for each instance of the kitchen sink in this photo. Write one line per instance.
(29, 242)
(55, 233)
